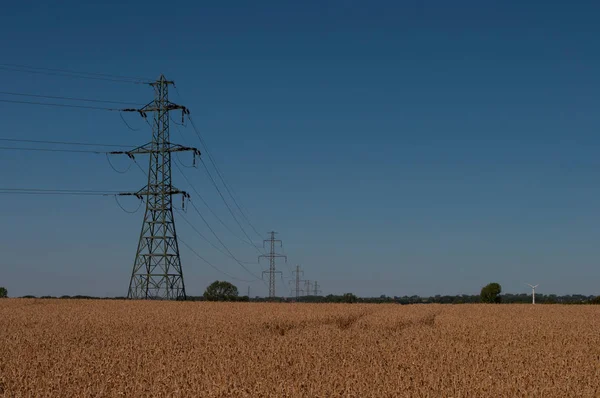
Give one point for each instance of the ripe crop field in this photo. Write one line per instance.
(68, 348)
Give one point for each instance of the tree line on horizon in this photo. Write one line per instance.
(491, 293)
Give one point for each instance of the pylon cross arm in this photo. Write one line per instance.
(145, 192)
(150, 148)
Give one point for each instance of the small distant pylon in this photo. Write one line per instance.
(316, 290)
(297, 290)
(307, 285)
(272, 256)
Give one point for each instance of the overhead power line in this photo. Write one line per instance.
(223, 244)
(209, 263)
(38, 191)
(148, 278)
(60, 105)
(214, 183)
(69, 98)
(63, 143)
(228, 252)
(188, 222)
(62, 150)
(74, 74)
(212, 211)
(220, 175)
(6, 148)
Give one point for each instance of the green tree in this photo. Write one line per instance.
(595, 300)
(221, 291)
(491, 293)
(3, 292)
(349, 298)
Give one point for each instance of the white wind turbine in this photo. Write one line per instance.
(533, 292)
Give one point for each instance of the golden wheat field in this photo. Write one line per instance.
(68, 348)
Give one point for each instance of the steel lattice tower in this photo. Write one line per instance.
(157, 271)
(316, 289)
(272, 256)
(307, 287)
(297, 274)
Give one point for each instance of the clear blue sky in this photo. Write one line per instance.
(398, 147)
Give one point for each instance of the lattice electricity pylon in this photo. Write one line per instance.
(272, 256)
(157, 271)
(316, 290)
(307, 287)
(297, 281)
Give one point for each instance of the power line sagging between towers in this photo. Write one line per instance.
(157, 271)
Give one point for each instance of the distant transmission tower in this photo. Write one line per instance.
(307, 287)
(157, 272)
(316, 289)
(297, 274)
(272, 256)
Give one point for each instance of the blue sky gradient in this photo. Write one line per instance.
(398, 147)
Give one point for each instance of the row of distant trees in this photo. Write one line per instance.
(491, 293)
